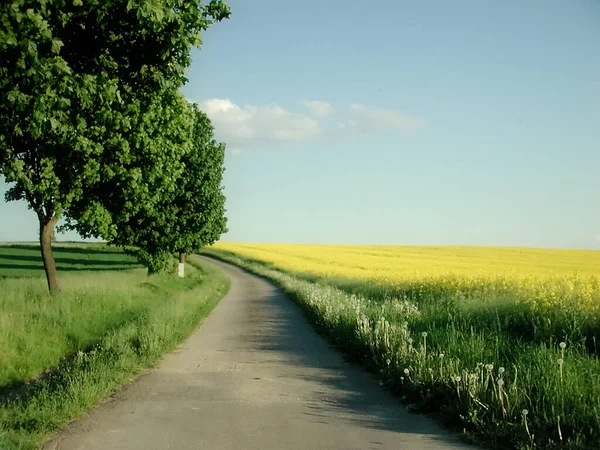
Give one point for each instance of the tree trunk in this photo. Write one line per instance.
(181, 269)
(46, 234)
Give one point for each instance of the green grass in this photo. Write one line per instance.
(382, 328)
(61, 355)
(24, 260)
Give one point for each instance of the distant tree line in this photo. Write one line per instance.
(93, 128)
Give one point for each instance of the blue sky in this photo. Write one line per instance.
(396, 122)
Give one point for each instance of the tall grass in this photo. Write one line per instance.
(60, 355)
(508, 373)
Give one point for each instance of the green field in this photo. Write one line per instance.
(24, 260)
(62, 354)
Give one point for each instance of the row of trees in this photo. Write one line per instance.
(94, 130)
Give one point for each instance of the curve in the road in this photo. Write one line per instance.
(254, 376)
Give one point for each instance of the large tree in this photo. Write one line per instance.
(77, 77)
(126, 207)
(177, 209)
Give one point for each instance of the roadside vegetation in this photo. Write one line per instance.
(506, 357)
(61, 355)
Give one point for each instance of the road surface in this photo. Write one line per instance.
(253, 376)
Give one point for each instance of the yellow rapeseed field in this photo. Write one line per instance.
(566, 278)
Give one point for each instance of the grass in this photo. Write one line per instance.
(61, 355)
(24, 260)
(480, 352)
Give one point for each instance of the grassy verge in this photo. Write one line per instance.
(491, 368)
(62, 355)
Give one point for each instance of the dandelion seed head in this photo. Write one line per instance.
(424, 334)
(489, 367)
(560, 361)
(388, 361)
(458, 379)
(441, 356)
(401, 378)
(524, 412)
(562, 345)
(501, 370)
(406, 371)
(500, 383)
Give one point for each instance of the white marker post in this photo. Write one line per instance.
(181, 268)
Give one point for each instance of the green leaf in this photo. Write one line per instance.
(61, 65)
(56, 45)
(32, 48)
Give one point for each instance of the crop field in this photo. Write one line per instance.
(570, 278)
(500, 343)
(62, 354)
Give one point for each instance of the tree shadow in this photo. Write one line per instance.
(66, 260)
(74, 261)
(28, 269)
(78, 248)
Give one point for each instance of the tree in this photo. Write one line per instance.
(127, 207)
(76, 76)
(190, 210)
(199, 197)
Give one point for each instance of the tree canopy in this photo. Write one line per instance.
(159, 209)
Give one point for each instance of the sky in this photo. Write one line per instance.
(402, 122)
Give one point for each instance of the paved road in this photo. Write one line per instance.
(253, 376)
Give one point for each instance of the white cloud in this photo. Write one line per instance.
(371, 116)
(317, 108)
(251, 126)
(598, 237)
